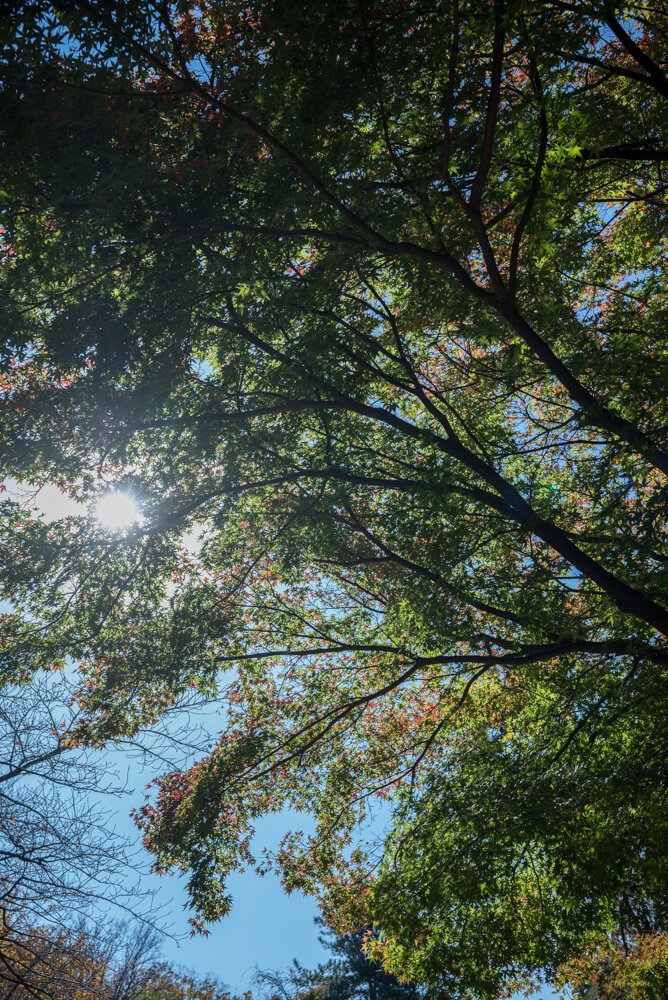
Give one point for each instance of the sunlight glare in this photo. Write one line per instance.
(117, 511)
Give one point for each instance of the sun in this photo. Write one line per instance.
(117, 511)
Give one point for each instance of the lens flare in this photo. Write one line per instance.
(117, 511)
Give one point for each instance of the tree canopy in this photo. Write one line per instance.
(364, 305)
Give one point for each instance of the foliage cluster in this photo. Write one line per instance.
(625, 970)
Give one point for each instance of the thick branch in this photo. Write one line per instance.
(492, 107)
(654, 71)
(505, 498)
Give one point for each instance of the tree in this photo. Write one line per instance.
(61, 860)
(350, 975)
(371, 299)
(59, 857)
(116, 962)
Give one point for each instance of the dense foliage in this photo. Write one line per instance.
(364, 304)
